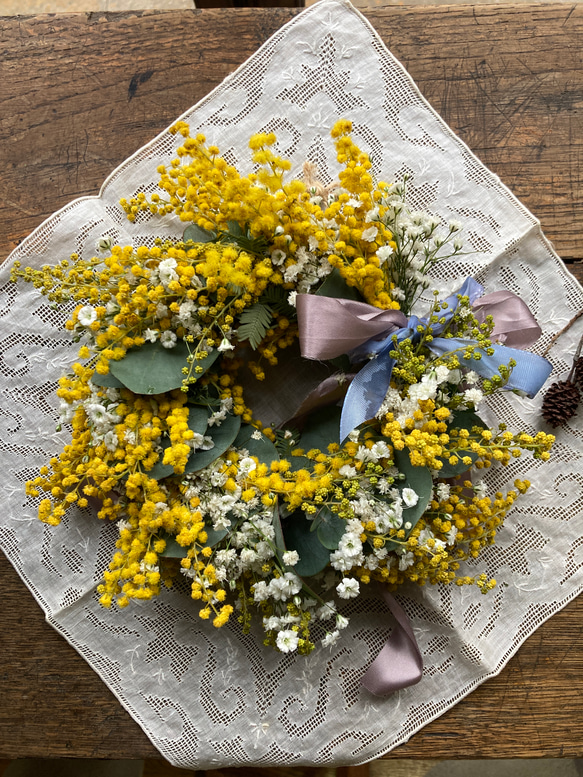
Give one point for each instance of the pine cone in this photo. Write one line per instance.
(560, 402)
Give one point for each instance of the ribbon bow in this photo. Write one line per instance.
(330, 326)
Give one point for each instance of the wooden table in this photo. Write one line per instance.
(82, 92)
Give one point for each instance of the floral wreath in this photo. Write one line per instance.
(376, 475)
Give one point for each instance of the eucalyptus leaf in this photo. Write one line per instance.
(322, 427)
(462, 419)
(153, 369)
(214, 536)
(278, 531)
(417, 478)
(222, 436)
(160, 470)
(235, 229)
(330, 528)
(300, 462)
(172, 549)
(106, 381)
(198, 419)
(336, 286)
(198, 234)
(262, 448)
(314, 557)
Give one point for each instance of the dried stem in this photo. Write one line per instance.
(575, 318)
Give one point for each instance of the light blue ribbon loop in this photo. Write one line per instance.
(368, 389)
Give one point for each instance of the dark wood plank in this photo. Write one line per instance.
(80, 93)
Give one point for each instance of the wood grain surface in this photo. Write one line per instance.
(80, 93)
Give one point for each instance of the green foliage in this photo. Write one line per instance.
(172, 549)
(314, 557)
(198, 234)
(222, 436)
(151, 368)
(262, 448)
(106, 381)
(322, 427)
(336, 286)
(254, 323)
(417, 478)
(462, 419)
(276, 298)
(330, 528)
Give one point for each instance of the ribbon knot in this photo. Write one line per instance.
(330, 327)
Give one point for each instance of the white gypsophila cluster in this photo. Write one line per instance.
(307, 269)
(433, 385)
(418, 240)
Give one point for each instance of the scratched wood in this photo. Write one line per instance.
(80, 93)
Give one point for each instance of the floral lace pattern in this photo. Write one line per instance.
(209, 698)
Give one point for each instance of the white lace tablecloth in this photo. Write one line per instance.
(209, 698)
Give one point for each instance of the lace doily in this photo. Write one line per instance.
(209, 698)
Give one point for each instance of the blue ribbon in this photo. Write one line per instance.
(368, 389)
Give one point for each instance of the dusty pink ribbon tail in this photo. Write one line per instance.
(399, 664)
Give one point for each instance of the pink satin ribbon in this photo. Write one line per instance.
(329, 326)
(399, 664)
(514, 324)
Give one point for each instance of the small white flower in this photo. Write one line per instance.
(406, 560)
(369, 234)
(287, 641)
(104, 244)
(480, 489)
(110, 441)
(87, 315)
(347, 471)
(331, 638)
(341, 622)
(291, 558)
(409, 497)
(256, 435)
(168, 339)
(442, 491)
(247, 465)
(278, 257)
(260, 593)
(225, 345)
(384, 253)
(473, 396)
(166, 271)
(292, 298)
(151, 335)
(349, 588)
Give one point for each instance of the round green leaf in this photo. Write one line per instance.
(222, 436)
(263, 449)
(214, 536)
(417, 478)
(153, 369)
(462, 419)
(106, 381)
(330, 528)
(160, 470)
(198, 234)
(336, 286)
(314, 557)
(322, 427)
(172, 549)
